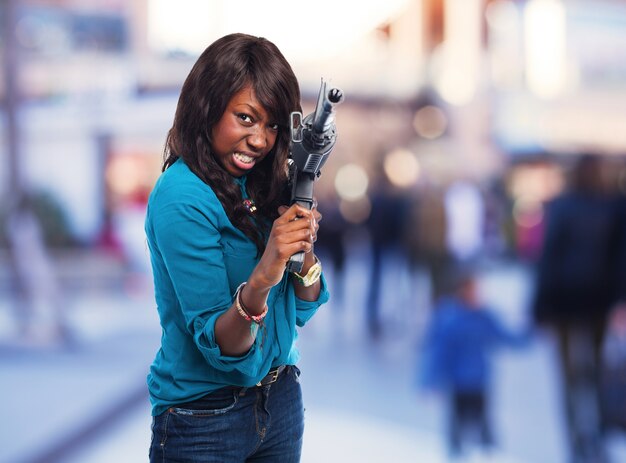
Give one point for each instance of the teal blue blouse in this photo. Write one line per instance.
(198, 260)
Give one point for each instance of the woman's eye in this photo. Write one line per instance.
(274, 127)
(245, 118)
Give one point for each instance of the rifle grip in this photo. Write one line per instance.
(296, 261)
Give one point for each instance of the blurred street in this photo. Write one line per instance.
(464, 123)
(87, 403)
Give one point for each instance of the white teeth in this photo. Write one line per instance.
(244, 158)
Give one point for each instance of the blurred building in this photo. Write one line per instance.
(444, 90)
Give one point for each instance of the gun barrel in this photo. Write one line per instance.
(323, 118)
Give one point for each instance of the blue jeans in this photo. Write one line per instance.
(233, 424)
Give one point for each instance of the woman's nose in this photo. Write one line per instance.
(257, 139)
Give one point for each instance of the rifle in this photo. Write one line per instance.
(312, 140)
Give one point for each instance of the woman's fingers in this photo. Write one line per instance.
(286, 250)
(297, 212)
(296, 229)
(291, 233)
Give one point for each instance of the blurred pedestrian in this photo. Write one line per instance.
(613, 382)
(613, 386)
(575, 290)
(224, 385)
(39, 306)
(459, 343)
(386, 224)
(620, 213)
(330, 244)
(425, 239)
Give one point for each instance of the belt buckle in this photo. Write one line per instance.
(273, 376)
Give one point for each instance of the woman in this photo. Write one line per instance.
(224, 386)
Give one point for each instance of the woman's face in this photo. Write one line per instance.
(244, 134)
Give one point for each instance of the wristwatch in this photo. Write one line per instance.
(312, 275)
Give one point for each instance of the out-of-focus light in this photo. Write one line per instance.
(402, 168)
(430, 122)
(455, 91)
(351, 182)
(457, 75)
(165, 19)
(122, 175)
(505, 46)
(527, 212)
(355, 212)
(334, 25)
(537, 183)
(545, 45)
(500, 13)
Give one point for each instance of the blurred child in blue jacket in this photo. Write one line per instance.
(457, 359)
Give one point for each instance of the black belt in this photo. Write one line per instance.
(272, 376)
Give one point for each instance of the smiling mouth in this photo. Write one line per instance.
(244, 158)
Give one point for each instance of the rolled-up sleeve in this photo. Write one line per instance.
(306, 309)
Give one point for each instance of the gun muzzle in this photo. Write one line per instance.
(323, 123)
(335, 95)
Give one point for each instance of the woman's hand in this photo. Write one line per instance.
(316, 218)
(295, 230)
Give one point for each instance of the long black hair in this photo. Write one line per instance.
(223, 69)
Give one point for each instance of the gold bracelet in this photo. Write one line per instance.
(312, 276)
(258, 319)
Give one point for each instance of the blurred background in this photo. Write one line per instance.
(463, 121)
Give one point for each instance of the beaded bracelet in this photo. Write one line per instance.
(258, 319)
